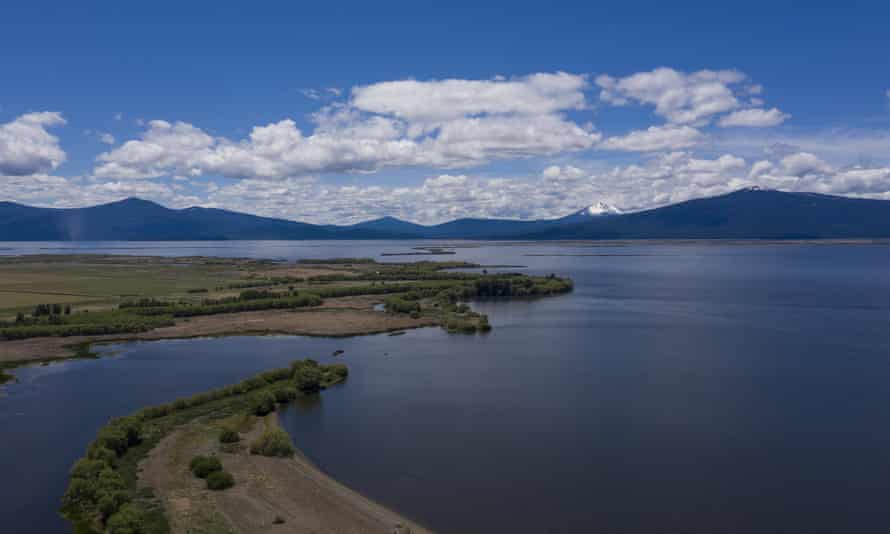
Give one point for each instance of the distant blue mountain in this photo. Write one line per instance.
(390, 225)
(744, 214)
(140, 220)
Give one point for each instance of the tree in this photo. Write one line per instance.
(264, 403)
(308, 378)
(285, 394)
(127, 520)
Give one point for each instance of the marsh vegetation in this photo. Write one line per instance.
(425, 292)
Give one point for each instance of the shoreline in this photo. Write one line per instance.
(293, 489)
(334, 297)
(150, 455)
(329, 321)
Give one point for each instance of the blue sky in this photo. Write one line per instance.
(434, 112)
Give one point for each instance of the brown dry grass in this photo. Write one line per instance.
(339, 317)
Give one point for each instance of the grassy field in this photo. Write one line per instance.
(59, 301)
(96, 282)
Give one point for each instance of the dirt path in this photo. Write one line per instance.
(290, 489)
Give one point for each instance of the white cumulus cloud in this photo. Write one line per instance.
(677, 96)
(692, 98)
(441, 100)
(755, 118)
(26, 147)
(655, 138)
(443, 124)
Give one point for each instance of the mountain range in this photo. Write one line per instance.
(745, 214)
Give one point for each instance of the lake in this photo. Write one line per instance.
(698, 388)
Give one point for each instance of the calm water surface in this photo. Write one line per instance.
(694, 389)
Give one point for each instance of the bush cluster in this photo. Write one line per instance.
(96, 491)
(229, 436)
(467, 323)
(95, 488)
(285, 394)
(211, 469)
(521, 286)
(256, 294)
(127, 520)
(235, 306)
(202, 466)
(309, 376)
(400, 304)
(272, 442)
(220, 480)
(69, 325)
(264, 403)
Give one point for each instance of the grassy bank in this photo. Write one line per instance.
(102, 494)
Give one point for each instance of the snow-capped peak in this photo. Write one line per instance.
(601, 208)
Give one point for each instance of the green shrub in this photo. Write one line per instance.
(307, 375)
(256, 294)
(334, 373)
(220, 480)
(285, 394)
(264, 404)
(111, 502)
(399, 304)
(127, 520)
(203, 466)
(103, 454)
(273, 442)
(94, 486)
(87, 468)
(79, 498)
(229, 436)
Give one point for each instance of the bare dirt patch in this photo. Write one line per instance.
(290, 489)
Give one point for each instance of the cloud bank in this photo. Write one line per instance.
(711, 134)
